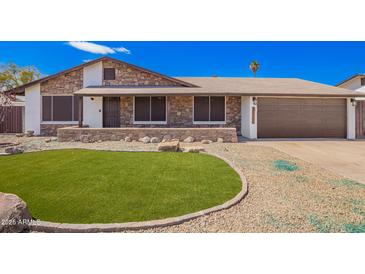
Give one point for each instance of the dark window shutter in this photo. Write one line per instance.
(201, 108)
(142, 108)
(62, 108)
(76, 108)
(46, 108)
(158, 108)
(217, 110)
(109, 73)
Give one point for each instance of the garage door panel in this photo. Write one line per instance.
(301, 118)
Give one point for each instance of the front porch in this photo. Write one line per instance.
(76, 133)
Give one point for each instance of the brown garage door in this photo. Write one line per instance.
(301, 118)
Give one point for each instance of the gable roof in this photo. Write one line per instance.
(350, 78)
(21, 88)
(233, 86)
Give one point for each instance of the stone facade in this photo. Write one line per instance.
(180, 113)
(116, 134)
(64, 84)
(51, 129)
(126, 75)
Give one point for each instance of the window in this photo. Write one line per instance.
(60, 108)
(209, 109)
(109, 73)
(362, 81)
(150, 109)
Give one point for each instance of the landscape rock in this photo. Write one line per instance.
(155, 140)
(29, 133)
(14, 150)
(220, 140)
(86, 139)
(14, 214)
(206, 142)
(48, 140)
(166, 138)
(99, 141)
(189, 139)
(145, 140)
(170, 146)
(54, 139)
(128, 139)
(194, 149)
(19, 135)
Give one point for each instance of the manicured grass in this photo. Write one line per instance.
(86, 186)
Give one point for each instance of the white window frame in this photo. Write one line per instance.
(57, 122)
(149, 122)
(211, 122)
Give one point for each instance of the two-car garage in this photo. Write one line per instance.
(301, 117)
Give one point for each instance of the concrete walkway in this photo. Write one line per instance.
(346, 158)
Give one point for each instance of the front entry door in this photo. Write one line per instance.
(111, 112)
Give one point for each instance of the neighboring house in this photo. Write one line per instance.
(115, 94)
(357, 83)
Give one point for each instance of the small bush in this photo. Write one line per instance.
(351, 228)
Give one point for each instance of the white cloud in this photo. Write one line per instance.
(86, 60)
(123, 50)
(97, 49)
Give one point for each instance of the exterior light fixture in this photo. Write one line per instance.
(92, 98)
(353, 102)
(254, 101)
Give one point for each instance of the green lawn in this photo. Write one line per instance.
(86, 186)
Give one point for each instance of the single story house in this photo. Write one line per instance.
(357, 83)
(108, 99)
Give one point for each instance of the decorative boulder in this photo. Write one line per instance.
(155, 140)
(48, 140)
(166, 138)
(14, 150)
(14, 213)
(19, 135)
(206, 141)
(193, 149)
(189, 139)
(145, 140)
(29, 133)
(128, 139)
(220, 140)
(171, 146)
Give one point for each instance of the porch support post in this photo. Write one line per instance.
(80, 110)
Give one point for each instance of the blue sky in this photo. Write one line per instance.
(325, 62)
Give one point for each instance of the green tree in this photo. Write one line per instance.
(254, 66)
(12, 76)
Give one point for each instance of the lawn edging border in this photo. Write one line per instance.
(45, 226)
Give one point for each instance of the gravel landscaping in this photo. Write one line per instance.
(285, 194)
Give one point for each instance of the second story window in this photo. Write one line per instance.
(362, 81)
(109, 73)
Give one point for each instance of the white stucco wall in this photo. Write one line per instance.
(33, 109)
(248, 129)
(351, 124)
(93, 75)
(93, 106)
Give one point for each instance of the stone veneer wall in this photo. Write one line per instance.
(126, 75)
(51, 129)
(180, 113)
(64, 84)
(117, 134)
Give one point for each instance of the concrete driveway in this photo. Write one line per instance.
(346, 158)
